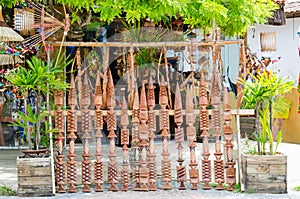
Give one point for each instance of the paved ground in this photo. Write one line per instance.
(8, 177)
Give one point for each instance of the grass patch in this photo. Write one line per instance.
(7, 191)
(237, 188)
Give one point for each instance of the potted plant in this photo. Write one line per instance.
(38, 78)
(264, 169)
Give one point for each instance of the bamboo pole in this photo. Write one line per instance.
(50, 134)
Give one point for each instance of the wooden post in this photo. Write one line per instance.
(179, 138)
(59, 124)
(86, 128)
(191, 137)
(165, 134)
(228, 136)
(98, 165)
(217, 125)
(144, 140)
(72, 128)
(204, 126)
(135, 140)
(111, 127)
(152, 128)
(125, 141)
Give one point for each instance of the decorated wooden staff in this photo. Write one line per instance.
(59, 124)
(125, 142)
(152, 128)
(135, 140)
(111, 127)
(86, 128)
(72, 128)
(228, 136)
(204, 126)
(98, 165)
(144, 141)
(217, 125)
(165, 134)
(191, 137)
(179, 138)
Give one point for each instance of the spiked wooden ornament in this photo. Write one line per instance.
(136, 140)
(111, 127)
(125, 142)
(152, 128)
(191, 136)
(144, 141)
(179, 138)
(59, 124)
(72, 128)
(86, 128)
(216, 120)
(98, 165)
(228, 136)
(164, 126)
(204, 126)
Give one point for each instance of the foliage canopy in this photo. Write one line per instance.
(232, 16)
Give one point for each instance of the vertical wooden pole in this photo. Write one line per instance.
(59, 124)
(72, 128)
(152, 128)
(135, 140)
(144, 140)
(204, 126)
(165, 134)
(191, 137)
(111, 127)
(98, 165)
(125, 142)
(179, 138)
(86, 128)
(217, 125)
(228, 136)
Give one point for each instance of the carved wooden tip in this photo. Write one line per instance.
(124, 116)
(110, 90)
(226, 99)
(136, 103)
(143, 100)
(86, 101)
(151, 94)
(189, 101)
(98, 91)
(215, 91)
(163, 94)
(178, 101)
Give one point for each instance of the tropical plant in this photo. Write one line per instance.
(39, 78)
(266, 95)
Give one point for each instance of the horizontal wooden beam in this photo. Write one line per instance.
(241, 112)
(143, 44)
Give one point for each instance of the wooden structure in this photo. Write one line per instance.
(34, 177)
(139, 113)
(265, 173)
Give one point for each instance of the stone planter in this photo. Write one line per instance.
(264, 173)
(34, 176)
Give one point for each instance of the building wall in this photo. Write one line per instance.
(287, 41)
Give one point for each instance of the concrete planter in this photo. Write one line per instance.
(264, 173)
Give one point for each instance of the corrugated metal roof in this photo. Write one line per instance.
(292, 8)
